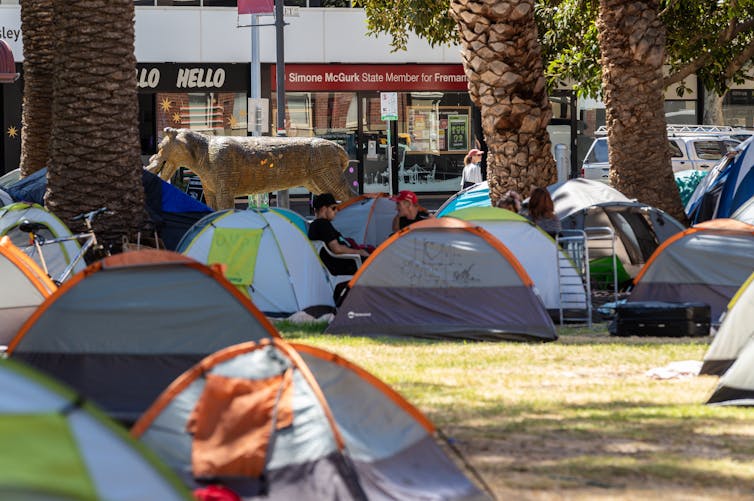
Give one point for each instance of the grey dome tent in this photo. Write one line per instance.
(120, 331)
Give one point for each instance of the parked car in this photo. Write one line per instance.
(689, 151)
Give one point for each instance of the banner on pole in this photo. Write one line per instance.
(256, 6)
(389, 105)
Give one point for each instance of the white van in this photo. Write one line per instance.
(691, 148)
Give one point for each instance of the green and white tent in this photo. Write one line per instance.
(56, 256)
(266, 256)
(54, 446)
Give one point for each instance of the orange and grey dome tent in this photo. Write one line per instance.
(368, 218)
(282, 421)
(121, 330)
(22, 289)
(443, 278)
(706, 263)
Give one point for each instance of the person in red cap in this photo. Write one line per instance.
(409, 210)
(472, 170)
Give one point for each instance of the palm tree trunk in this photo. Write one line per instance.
(36, 25)
(95, 153)
(503, 63)
(632, 42)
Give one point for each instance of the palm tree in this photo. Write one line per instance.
(36, 25)
(95, 153)
(632, 42)
(503, 63)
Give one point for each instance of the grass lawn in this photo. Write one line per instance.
(574, 419)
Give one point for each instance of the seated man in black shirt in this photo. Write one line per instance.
(322, 229)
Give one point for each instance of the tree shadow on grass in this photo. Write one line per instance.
(618, 443)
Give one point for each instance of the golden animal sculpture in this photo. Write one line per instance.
(231, 166)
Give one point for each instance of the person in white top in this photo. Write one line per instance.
(472, 170)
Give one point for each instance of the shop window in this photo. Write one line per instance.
(298, 114)
(216, 113)
(438, 129)
(178, 3)
(681, 112)
(737, 107)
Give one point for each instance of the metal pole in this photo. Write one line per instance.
(280, 66)
(283, 199)
(258, 199)
(389, 152)
(256, 84)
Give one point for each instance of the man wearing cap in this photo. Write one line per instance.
(321, 228)
(472, 171)
(409, 210)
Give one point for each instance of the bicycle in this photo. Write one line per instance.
(88, 237)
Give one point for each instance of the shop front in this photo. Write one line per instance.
(207, 98)
(431, 135)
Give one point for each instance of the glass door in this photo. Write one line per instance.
(373, 142)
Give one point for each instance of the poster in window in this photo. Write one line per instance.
(458, 132)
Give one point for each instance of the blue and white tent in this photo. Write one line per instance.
(727, 186)
(477, 195)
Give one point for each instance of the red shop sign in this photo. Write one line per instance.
(377, 77)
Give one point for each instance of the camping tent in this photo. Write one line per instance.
(22, 289)
(728, 185)
(283, 422)
(123, 329)
(267, 256)
(736, 386)
(584, 203)
(5, 198)
(368, 218)
(30, 189)
(477, 195)
(294, 217)
(736, 329)
(745, 212)
(443, 278)
(172, 211)
(57, 447)
(639, 228)
(707, 263)
(56, 256)
(535, 250)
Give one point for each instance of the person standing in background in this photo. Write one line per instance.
(472, 170)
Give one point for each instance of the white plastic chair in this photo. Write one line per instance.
(336, 279)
